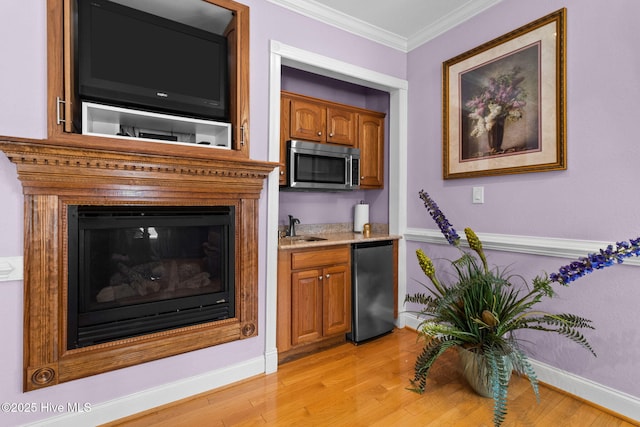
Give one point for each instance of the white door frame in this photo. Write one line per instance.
(281, 54)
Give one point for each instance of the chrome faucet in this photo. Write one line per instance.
(292, 226)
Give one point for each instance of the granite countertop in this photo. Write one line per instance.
(333, 234)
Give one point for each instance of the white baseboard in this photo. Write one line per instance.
(410, 321)
(605, 397)
(162, 395)
(271, 361)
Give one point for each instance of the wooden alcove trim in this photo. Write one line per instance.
(53, 177)
(61, 78)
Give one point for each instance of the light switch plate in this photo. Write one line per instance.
(478, 195)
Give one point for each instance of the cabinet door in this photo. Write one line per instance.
(336, 289)
(371, 144)
(341, 126)
(308, 121)
(306, 301)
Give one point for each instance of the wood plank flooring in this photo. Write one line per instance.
(365, 385)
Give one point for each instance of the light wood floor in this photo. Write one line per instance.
(365, 385)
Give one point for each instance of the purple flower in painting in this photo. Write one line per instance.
(502, 98)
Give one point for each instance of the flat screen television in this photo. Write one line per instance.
(127, 57)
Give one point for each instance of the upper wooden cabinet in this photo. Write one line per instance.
(307, 120)
(64, 107)
(341, 126)
(371, 144)
(312, 119)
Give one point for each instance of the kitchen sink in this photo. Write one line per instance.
(303, 238)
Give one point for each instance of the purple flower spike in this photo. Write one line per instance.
(445, 226)
(605, 258)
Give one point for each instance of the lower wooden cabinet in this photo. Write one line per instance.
(314, 298)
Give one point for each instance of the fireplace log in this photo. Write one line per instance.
(137, 281)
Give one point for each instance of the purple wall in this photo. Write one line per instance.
(595, 199)
(325, 208)
(23, 112)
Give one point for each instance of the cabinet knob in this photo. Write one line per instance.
(331, 134)
(362, 177)
(319, 277)
(281, 172)
(319, 133)
(327, 276)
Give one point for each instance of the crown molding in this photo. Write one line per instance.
(361, 28)
(449, 21)
(345, 22)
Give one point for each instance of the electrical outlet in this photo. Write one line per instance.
(478, 195)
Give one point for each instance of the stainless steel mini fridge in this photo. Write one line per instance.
(372, 290)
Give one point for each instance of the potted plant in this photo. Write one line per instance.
(479, 311)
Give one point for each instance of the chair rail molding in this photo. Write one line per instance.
(11, 268)
(545, 246)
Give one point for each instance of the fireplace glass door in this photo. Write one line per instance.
(136, 270)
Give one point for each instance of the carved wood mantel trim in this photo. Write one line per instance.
(53, 177)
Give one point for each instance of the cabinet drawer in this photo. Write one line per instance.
(320, 257)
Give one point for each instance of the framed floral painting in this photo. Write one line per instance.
(504, 103)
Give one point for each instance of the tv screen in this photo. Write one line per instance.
(127, 57)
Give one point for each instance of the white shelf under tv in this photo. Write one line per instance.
(127, 123)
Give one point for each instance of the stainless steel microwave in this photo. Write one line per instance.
(327, 167)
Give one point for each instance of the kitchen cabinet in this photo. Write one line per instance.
(314, 298)
(341, 126)
(312, 119)
(371, 145)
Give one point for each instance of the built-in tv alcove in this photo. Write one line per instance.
(113, 119)
(192, 207)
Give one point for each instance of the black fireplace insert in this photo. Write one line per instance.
(135, 270)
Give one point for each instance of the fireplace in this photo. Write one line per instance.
(135, 270)
(146, 198)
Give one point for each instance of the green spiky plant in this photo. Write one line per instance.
(482, 308)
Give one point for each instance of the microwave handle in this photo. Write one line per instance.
(354, 171)
(290, 167)
(353, 178)
(347, 170)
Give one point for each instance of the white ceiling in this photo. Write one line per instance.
(401, 24)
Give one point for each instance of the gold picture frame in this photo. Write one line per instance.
(504, 103)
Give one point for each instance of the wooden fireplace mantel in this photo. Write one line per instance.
(54, 177)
